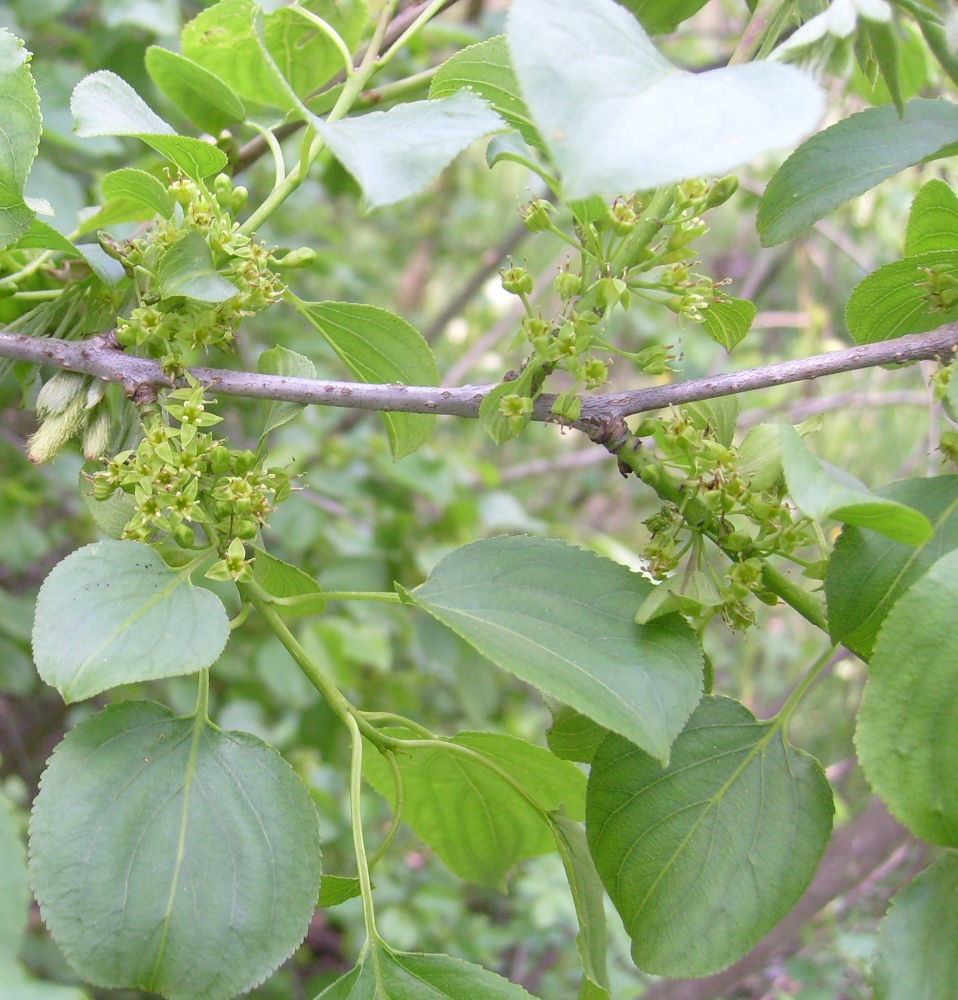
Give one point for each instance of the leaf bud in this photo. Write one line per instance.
(720, 191)
(58, 392)
(302, 257)
(517, 281)
(96, 434)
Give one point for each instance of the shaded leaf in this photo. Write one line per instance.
(129, 618)
(617, 117)
(819, 494)
(511, 146)
(572, 735)
(281, 361)
(380, 347)
(14, 887)
(849, 158)
(336, 889)
(130, 184)
(562, 619)
(727, 320)
(187, 269)
(172, 856)
(199, 94)
(703, 859)
(41, 236)
(906, 737)
(111, 516)
(280, 579)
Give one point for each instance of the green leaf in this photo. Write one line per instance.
(19, 137)
(130, 184)
(820, 494)
(906, 737)
(111, 516)
(280, 361)
(703, 859)
(727, 320)
(491, 419)
(867, 572)
(562, 619)
(129, 617)
(197, 159)
(336, 889)
(394, 154)
(171, 856)
(280, 579)
(510, 146)
(618, 117)
(848, 159)
(380, 347)
(593, 938)
(486, 70)
(918, 939)
(661, 17)
(199, 94)
(15, 984)
(898, 298)
(41, 236)
(574, 736)
(14, 887)
(882, 40)
(933, 220)
(400, 975)
(463, 806)
(187, 269)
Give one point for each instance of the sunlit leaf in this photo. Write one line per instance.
(199, 94)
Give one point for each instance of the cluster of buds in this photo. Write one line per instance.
(69, 405)
(180, 475)
(940, 289)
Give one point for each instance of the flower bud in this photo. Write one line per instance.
(536, 215)
(567, 285)
(302, 257)
(721, 191)
(517, 281)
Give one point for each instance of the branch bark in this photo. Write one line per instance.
(101, 358)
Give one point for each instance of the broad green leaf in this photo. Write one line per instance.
(618, 117)
(199, 94)
(108, 269)
(906, 737)
(378, 346)
(400, 975)
(819, 494)
(727, 320)
(336, 889)
(130, 184)
(485, 69)
(280, 361)
(41, 236)
(660, 17)
(169, 855)
(394, 154)
(111, 516)
(703, 859)
(19, 136)
(129, 617)
(562, 619)
(197, 159)
(187, 269)
(280, 579)
(464, 807)
(918, 939)
(867, 572)
(14, 887)
(933, 220)
(900, 298)
(848, 159)
(15, 984)
(104, 104)
(586, 886)
(761, 458)
(574, 736)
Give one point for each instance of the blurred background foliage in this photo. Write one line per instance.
(360, 521)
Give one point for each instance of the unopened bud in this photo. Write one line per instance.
(302, 257)
(96, 434)
(57, 394)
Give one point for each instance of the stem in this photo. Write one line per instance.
(427, 15)
(356, 815)
(755, 31)
(384, 597)
(399, 720)
(647, 228)
(201, 712)
(330, 32)
(397, 812)
(785, 712)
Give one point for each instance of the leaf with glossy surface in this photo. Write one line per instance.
(727, 320)
(918, 939)
(128, 616)
(395, 154)
(563, 619)
(933, 220)
(19, 136)
(849, 158)
(171, 856)
(703, 859)
(897, 298)
(906, 737)
(199, 94)
(464, 807)
(280, 579)
(819, 494)
(281, 361)
(618, 117)
(187, 269)
(867, 572)
(130, 184)
(486, 70)
(378, 346)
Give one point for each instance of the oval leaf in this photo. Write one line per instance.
(114, 613)
(563, 620)
(703, 859)
(171, 856)
(19, 136)
(280, 579)
(378, 346)
(727, 320)
(197, 159)
(201, 95)
(618, 117)
(850, 158)
(129, 184)
(104, 104)
(906, 737)
(933, 220)
(819, 494)
(187, 269)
